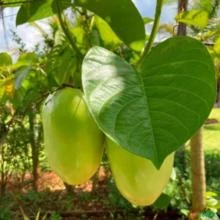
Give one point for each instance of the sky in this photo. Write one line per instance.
(31, 35)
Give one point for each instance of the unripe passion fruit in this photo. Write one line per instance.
(73, 142)
(136, 178)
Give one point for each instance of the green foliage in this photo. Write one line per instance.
(212, 164)
(5, 214)
(195, 17)
(25, 84)
(179, 188)
(36, 10)
(212, 202)
(55, 216)
(116, 92)
(57, 62)
(10, 3)
(211, 6)
(5, 60)
(162, 202)
(129, 27)
(123, 18)
(179, 191)
(106, 33)
(208, 215)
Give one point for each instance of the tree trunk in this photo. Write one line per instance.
(34, 148)
(198, 175)
(182, 7)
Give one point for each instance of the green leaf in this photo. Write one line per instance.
(147, 20)
(20, 76)
(210, 194)
(217, 46)
(23, 67)
(62, 69)
(106, 33)
(5, 59)
(10, 3)
(153, 111)
(195, 17)
(123, 18)
(162, 202)
(7, 87)
(36, 10)
(80, 35)
(26, 59)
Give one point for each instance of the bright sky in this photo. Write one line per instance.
(31, 35)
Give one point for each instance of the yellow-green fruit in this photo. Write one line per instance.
(73, 142)
(136, 178)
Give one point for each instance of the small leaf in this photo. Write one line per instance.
(5, 59)
(195, 17)
(210, 194)
(10, 3)
(62, 69)
(7, 87)
(148, 20)
(25, 59)
(20, 76)
(123, 18)
(106, 33)
(162, 202)
(217, 46)
(80, 35)
(153, 111)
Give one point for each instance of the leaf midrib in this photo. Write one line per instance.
(142, 87)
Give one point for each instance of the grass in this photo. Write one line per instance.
(211, 134)
(215, 113)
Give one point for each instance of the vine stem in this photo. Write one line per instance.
(154, 30)
(66, 31)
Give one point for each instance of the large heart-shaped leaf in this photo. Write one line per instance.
(153, 111)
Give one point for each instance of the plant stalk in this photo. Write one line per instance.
(154, 30)
(34, 148)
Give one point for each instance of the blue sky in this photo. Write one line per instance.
(31, 36)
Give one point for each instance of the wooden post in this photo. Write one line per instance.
(198, 175)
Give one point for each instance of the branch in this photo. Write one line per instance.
(66, 30)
